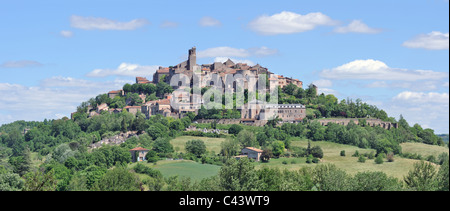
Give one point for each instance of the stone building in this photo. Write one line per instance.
(113, 94)
(250, 152)
(257, 110)
(138, 154)
(208, 71)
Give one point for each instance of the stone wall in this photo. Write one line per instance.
(369, 122)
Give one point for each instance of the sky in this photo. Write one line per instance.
(392, 54)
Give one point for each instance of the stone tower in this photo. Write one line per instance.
(192, 59)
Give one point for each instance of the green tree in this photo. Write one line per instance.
(118, 179)
(277, 148)
(422, 177)
(246, 138)
(10, 182)
(443, 176)
(230, 147)
(162, 146)
(316, 152)
(40, 181)
(374, 181)
(235, 129)
(196, 147)
(238, 175)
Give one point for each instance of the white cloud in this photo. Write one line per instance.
(66, 33)
(421, 97)
(357, 26)
(327, 91)
(20, 64)
(53, 98)
(434, 40)
(209, 22)
(429, 109)
(168, 24)
(424, 86)
(92, 23)
(376, 70)
(289, 22)
(323, 83)
(236, 52)
(125, 69)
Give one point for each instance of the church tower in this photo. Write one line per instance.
(192, 59)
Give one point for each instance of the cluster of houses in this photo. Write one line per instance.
(177, 106)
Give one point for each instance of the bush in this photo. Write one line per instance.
(315, 160)
(356, 154)
(361, 159)
(379, 159)
(390, 157)
(371, 155)
(316, 152)
(309, 159)
(343, 153)
(284, 162)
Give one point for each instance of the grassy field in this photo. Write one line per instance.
(399, 168)
(212, 144)
(423, 149)
(184, 168)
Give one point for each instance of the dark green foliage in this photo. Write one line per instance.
(422, 177)
(142, 169)
(196, 147)
(361, 159)
(118, 179)
(235, 129)
(342, 153)
(162, 146)
(375, 181)
(379, 159)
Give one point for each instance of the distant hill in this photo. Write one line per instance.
(444, 137)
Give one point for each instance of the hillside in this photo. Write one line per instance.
(61, 149)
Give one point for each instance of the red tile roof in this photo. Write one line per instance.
(139, 149)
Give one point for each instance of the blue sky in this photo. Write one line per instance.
(393, 54)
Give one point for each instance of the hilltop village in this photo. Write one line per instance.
(170, 103)
(253, 112)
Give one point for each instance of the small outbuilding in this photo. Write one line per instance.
(252, 153)
(138, 154)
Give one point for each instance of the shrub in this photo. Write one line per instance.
(284, 162)
(309, 159)
(361, 159)
(431, 159)
(390, 157)
(315, 160)
(371, 155)
(316, 152)
(343, 153)
(356, 154)
(379, 159)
